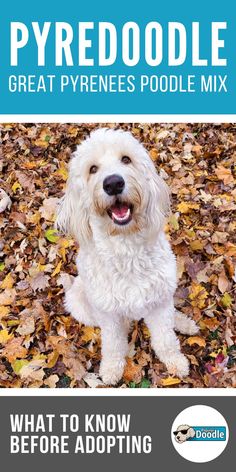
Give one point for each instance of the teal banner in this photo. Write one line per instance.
(118, 58)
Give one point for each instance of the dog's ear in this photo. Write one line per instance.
(158, 207)
(72, 215)
(191, 432)
(163, 195)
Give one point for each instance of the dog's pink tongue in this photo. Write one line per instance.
(120, 210)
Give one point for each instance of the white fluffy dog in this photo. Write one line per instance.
(115, 206)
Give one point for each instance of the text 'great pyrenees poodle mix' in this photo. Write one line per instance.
(115, 206)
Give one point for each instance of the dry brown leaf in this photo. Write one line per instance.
(27, 323)
(69, 354)
(7, 297)
(224, 174)
(39, 282)
(14, 350)
(51, 381)
(223, 282)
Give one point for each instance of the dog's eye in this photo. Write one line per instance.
(126, 160)
(93, 169)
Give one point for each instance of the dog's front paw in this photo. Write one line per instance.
(184, 324)
(178, 365)
(111, 371)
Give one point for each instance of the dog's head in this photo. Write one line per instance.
(113, 187)
(183, 433)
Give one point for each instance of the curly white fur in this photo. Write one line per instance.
(125, 272)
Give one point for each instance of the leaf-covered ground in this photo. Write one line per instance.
(40, 344)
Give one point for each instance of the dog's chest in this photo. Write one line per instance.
(128, 280)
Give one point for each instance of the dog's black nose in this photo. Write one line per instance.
(113, 184)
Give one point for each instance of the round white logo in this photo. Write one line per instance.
(199, 433)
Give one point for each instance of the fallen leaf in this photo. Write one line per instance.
(51, 235)
(26, 181)
(196, 340)
(169, 381)
(14, 349)
(185, 207)
(198, 295)
(89, 334)
(69, 354)
(226, 300)
(39, 282)
(33, 370)
(92, 380)
(132, 372)
(224, 174)
(16, 186)
(5, 336)
(57, 269)
(223, 282)
(8, 282)
(27, 324)
(7, 297)
(4, 310)
(18, 364)
(51, 381)
(48, 209)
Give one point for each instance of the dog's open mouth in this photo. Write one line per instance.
(120, 212)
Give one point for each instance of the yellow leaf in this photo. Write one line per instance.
(170, 381)
(174, 222)
(89, 334)
(72, 131)
(5, 336)
(219, 351)
(4, 310)
(52, 359)
(198, 295)
(34, 218)
(7, 282)
(185, 207)
(57, 269)
(226, 300)
(18, 364)
(62, 171)
(196, 340)
(64, 244)
(15, 186)
(146, 332)
(44, 138)
(196, 245)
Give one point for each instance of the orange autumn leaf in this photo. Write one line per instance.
(196, 340)
(132, 372)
